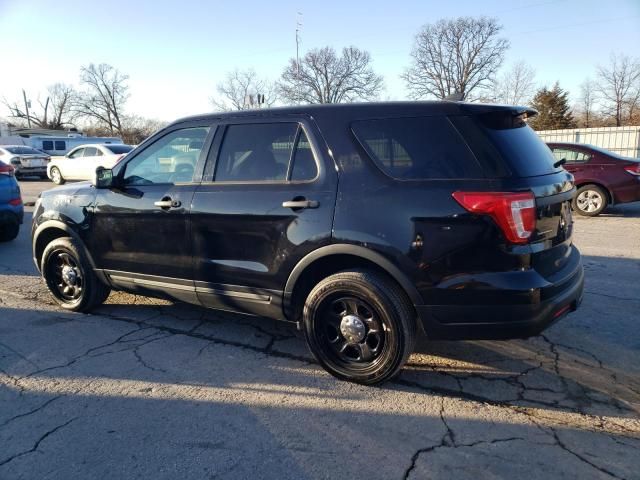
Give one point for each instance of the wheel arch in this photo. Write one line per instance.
(331, 259)
(49, 231)
(610, 197)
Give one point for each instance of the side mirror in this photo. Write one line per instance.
(103, 178)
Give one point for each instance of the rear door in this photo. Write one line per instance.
(140, 231)
(266, 201)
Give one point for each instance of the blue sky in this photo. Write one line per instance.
(175, 52)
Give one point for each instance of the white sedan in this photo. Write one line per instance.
(81, 162)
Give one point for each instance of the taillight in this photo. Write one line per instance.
(633, 169)
(514, 213)
(15, 202)
(6, 169)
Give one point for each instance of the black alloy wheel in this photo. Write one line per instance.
(360, 326)
(70, 277)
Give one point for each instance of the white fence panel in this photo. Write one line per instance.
(621, 140)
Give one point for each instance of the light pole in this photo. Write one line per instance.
(26, 107)
(298, 27)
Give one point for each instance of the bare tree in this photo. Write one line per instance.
(516, 86)
(55, 111)
(61, 99)
(587, 102)
(456, 56)
(322, 76)
(240, 89)
(619, 87)
(106, 92)
(136, 128)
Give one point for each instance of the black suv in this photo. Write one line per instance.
(364, 223)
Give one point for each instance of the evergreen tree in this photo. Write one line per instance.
(553, 109)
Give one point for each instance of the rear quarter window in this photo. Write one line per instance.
(417, 148)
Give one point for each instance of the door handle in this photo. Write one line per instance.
(298, 204)
(166, 202)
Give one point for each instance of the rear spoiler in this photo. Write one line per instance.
(497, 109)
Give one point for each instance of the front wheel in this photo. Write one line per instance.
(70, 278)
(359, 326)
(590, 200)
(56, 176)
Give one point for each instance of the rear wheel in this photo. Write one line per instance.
(359, 326)
(70, 278)
(56, 176)
(590, 200)
(9, 229)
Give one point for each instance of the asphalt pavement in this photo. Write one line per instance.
(146, 388)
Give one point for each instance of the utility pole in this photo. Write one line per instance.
(26, 107)
(298, 40)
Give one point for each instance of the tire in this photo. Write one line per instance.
(56, 176)
(9, 229)
(590, 200)
(70, 278)
(359, 326)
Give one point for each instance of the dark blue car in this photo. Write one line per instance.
(11, 208)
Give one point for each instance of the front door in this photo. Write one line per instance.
(141, 235)
(266, 201)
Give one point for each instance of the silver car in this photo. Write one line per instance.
(26, 161)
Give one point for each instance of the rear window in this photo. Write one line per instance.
(23, 151)
(417, 148)
(118, 149)
(517, 144)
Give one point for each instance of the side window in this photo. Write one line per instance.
(304, 164)
(170, 159)
(90, 152)
(256, 152)
(61, 145)
(572, 156)
(418, 148)
(77, 153)
(99, 152)
(47, 145)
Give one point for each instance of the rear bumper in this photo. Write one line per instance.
(30, 170)
(629, 192)
(501, 322)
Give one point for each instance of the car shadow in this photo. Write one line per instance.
(626, 210)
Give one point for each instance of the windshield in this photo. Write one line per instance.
(118, 149)
(24, 151)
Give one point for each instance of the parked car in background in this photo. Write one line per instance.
(11, 208)
(363, 223)
(26, 161)
(602, 177)
(81, 162)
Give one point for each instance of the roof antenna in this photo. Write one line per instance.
(454, 97)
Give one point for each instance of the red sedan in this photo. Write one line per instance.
(602, 177)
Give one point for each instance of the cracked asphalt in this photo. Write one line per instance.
(145, 388)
